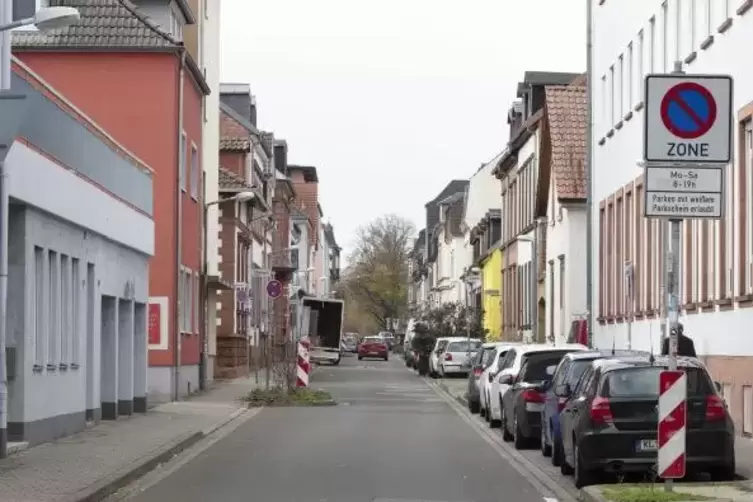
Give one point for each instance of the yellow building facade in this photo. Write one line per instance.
(491, 286)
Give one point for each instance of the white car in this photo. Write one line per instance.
(493, 367)
(510, 366)
(454, 359)
(439, 347)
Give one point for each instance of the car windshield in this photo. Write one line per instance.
(463, 346)
(373, 339)
(644, 382)
(576, 370)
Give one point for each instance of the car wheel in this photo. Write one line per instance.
(723, 473)
(557, 453)
(565, 468)
(336, 362)
(506, 436)
(474, 406)
(546, 450)
(582, 477)
(519, 440)
(386, 358)
(360, 358)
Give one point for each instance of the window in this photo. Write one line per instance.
(182, 160)
(611, 96)
(652, 45)
(639, 67)
(23, 9)
(39, 308)
(53, 328)
(621, 93)
(629, 77)
(195, 172)
(747, 176)
(665, 36)
(76, 306)
(551, 297)
(562, 296)
(692, 17)
(65, 304)
(186, 301)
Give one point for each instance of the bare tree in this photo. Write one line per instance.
(377, 275)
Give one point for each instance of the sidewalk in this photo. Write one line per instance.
(92, 464)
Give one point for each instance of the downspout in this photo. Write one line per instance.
(177, 346)
(589, 173)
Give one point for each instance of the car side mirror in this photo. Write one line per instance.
(562, 390)
(491, 376)
(506, 380)
(718, 386)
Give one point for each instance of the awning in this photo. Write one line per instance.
(217, 283)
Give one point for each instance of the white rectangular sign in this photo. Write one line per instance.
(673, 205)
(684, 179)
(688, 119)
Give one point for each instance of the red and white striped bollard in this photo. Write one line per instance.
(673, 393)
(304, 363)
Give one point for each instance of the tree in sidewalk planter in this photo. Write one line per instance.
(454, 319)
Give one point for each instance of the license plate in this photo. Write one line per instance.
(533, 407)
(646, 445)
(373, 353)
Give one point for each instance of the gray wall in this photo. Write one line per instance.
(48, 400)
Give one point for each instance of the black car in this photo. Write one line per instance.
(568, 372)
(524, 401)
(610, 421)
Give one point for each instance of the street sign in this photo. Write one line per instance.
(678, 192)
(673, 392)
(688, 119)
(274, 288)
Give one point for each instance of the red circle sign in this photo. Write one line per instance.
(688, 110)
(274, 288)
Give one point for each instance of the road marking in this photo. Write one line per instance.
(545, 484)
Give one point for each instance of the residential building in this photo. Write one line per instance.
(418, 273)
(241, 306)
(487, 257)
(306, 185)
(332, 252)
(716, 284)
(450, 250)
(523, 238)
(563, 189)
(202, 40)
(431, 244)
(482, 202)
(114, 45)
(81, 233)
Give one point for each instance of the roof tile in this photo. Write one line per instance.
(567, 114)
(230, 181)
(103, 23)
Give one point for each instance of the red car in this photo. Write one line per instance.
(375, 347)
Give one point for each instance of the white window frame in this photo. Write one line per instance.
(53, 306)
(194, 162)
(76, 286)
(611, 97)
(40, 308)
(183, 161)
(621, 84)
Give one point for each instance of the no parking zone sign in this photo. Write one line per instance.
(688, 119)
(687, 144)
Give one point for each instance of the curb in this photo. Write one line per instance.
(593, 494)
(461, 399)
(103, 488)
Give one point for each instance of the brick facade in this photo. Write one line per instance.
(306, 185)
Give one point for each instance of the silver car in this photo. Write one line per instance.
(454, 359)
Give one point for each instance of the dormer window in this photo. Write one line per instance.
(165, 13)
(24, 9)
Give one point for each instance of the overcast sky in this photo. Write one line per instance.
(391, 99)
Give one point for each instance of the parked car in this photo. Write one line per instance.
(490, 371)
(509, 368)
(481, 359)
(524, 400)
(609, 423)
(439, 347)
(568, 372)
(373, 347)
(454, 358)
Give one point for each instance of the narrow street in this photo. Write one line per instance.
(392, 438)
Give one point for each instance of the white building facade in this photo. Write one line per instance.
(631, 40)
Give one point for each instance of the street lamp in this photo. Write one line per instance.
(46, 20)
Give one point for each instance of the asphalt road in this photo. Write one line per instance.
(392, 438)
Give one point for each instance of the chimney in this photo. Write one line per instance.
(281, 156)
(239, 98)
